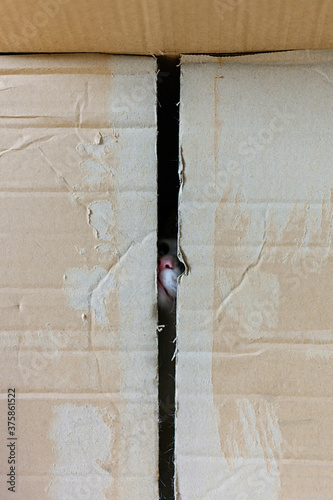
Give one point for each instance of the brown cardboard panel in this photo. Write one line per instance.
(255, 360)
(170, 27)
(78, 258)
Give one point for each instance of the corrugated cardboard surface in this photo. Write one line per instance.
(168, 27)
(255, 362)
(78, 259)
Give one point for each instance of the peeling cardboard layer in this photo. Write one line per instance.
(255, 313)
(77, 297)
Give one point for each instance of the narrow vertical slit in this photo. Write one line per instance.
(168, 187)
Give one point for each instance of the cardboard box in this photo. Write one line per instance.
(78, 293)
(255, 313)
(168, 27)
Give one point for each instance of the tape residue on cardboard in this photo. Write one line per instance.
(88, 290)
(95, 167)
(101, 218)
(82, 443)
(251, 450)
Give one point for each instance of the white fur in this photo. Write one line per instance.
(167, 278)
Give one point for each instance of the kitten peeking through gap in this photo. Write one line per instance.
(169, 268)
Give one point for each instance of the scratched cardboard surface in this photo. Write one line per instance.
(78, 259)
(255, 313)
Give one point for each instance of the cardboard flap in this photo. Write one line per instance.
(77, 297)
(169, 27)
(255, 316)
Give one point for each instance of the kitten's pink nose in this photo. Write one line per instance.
(165, 262)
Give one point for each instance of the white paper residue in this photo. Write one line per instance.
(82, 442)
(101, 218)
(88, 290)
(254, 474)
